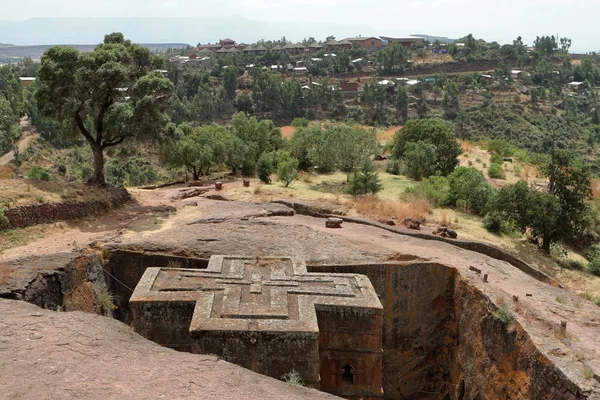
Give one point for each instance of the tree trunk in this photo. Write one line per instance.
(546, 244)
(98, 177)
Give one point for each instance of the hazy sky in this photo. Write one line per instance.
(492, 20)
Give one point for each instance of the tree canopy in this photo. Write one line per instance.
(108, 95)
(435, 132)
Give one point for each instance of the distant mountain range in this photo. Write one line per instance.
(32, 37)
(191, 30)
(432, 39)
(10, 52)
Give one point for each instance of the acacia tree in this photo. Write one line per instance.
(108, 95)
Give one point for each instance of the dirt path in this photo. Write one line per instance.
(27, 135)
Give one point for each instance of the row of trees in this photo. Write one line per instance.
(238, 145)
(12, 106)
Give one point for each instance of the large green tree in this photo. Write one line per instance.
(436, 132)
(108, 95)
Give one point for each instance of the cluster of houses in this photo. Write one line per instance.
(201, 55)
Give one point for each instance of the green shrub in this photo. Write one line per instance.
(504, 315)
(37, 173)
(249, 167)
(556, 250)
(4, 222)
(300, 122)
(394, 166)
(594, 267)
(571, 264)
(130, 172)
(264, 167)
(495, 171)
(501, 148)
(493, 223)
(594, 252)
(434, 189)
(469, 190)
(518, 169)
(364, 181)
(497, 159)
(287, 169)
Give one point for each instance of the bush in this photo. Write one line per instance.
(4, 222)
(300, 122)
(571, 264)
(249, 168)
(469, 190)
(287, 168)
(37, 173)
(364, 181)
(130, 172)
(556, 250)
(493, 223)
(497, 159)
(264, 167)
(594, 252)
(434, 189)
(393, 167)
(594, 267)
(495, 171)
(501, 148)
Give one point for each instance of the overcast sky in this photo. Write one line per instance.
(491, 20)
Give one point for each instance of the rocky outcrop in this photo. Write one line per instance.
(50, 355)
(21, 217)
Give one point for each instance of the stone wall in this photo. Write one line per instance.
(494, 360)
(22, 217)
(418, 330)
(441, 338)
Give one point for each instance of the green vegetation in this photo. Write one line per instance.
(327, 147)
(4, 222)
(115, 87)
(562, 213)
(364, 181)
(428, 138)
(287, 168)
(495, 171)
(38, 173)
(469, 190)
(504, 315)
(435, 189)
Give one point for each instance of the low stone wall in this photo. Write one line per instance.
(22, 217)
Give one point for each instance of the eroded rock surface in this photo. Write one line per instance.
(50, 355)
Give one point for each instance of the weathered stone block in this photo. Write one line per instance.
(334, 223)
